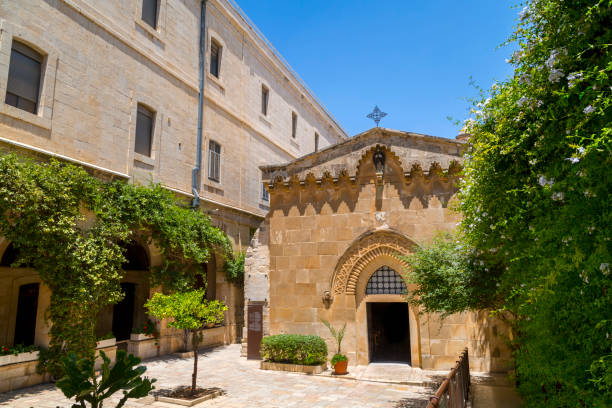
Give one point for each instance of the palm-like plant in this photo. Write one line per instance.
(338, 335)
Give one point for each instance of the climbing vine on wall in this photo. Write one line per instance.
(70, 226)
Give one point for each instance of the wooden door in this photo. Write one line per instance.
(255, 330)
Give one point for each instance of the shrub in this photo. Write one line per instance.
(81, 382)
(294, 349)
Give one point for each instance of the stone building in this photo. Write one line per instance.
(331, 248)
(116, 86)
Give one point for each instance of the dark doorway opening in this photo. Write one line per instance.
(25, 323)
(388, 332)
(123, 313)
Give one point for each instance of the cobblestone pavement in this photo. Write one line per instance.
(245, 386)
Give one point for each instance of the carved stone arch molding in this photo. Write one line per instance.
(363, 251)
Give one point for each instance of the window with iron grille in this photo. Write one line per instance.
(149, 12)
(214, 161)
(293, 124)
(23, 85)
(386, 281)
(215, 58)
(316, 142)
(145, 120)
(265, 94)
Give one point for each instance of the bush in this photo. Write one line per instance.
(294, 349)
(81, 382)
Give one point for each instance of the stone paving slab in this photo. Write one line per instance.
(394, 373)
(245, 386)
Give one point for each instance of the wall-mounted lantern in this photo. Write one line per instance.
(379, 164)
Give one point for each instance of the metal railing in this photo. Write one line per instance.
(455, 389)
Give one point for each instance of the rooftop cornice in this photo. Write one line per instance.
(378, 136)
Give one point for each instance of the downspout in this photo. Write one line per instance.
(197, 170)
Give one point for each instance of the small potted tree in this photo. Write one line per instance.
(339, 361)
(187, 311)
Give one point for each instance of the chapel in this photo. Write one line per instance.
(332, 247)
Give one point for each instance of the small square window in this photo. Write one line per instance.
(294, 120)
(215, 58)
(145, 120)
(214, 161)
(149, 12)
(265, 194)
(23, 85)
(316, 142)
(265, 95)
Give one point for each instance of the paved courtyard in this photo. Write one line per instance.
(246, 386)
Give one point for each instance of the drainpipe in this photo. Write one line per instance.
(197, 170)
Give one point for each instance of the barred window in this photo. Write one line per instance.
(316, 142)
(23, 83)
(386, 281)
(214, 161)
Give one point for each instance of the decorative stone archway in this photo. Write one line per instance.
(364, 257)
(364, 250)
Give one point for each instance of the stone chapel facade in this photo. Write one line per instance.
(331, 247)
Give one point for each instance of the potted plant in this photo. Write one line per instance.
(339, 361)
(145, 332)
(18, 354)
(107, 340)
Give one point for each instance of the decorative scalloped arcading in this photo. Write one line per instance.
(354, 261)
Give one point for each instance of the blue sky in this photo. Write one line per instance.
(412, 58)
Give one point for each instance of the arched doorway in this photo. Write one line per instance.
(386, 327)
(388, 322)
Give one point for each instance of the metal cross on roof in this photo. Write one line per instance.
(377, 115)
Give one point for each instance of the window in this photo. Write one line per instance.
(215, 58)
(293, 124)
(265, 194)
(265, 94)
(386, 281)
(23, 83)
(149, 12)
(316, 142)
(144, 130)
(214, 161)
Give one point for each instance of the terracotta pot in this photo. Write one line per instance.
(340, 367)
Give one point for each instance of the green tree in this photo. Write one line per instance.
(536, 199)
(451, 277)
(187, 311)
